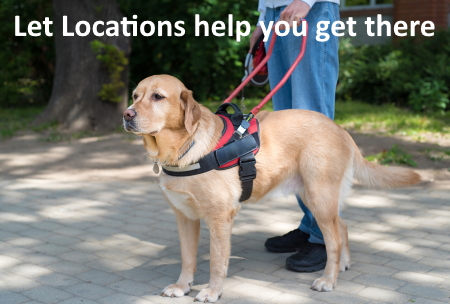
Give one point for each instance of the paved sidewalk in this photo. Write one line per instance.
(117, 242)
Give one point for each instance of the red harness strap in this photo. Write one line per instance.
(228, 134)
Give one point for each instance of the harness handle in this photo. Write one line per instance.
(256, 109)
(236, 118)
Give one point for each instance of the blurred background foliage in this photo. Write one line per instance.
(26, 63)
(412, 73)
(210, 66)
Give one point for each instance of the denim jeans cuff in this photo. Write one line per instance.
(316, 238)
(313, 237)
(304, 228)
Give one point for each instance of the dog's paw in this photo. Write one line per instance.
(176, 290)
(344, 265)
(323, 284)
(208, 295)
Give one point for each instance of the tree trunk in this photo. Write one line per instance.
(79, 76)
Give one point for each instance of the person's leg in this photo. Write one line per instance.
(278, 65)
(309, 225)
(315, 80)
(314, 86)
(316, 76)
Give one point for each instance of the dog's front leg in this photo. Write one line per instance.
(188, 231)
(220, 243)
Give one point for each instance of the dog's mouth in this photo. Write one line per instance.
(130, 126)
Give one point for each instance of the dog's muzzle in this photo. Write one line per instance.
(128, 120)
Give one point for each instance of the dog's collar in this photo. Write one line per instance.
(182, 155)
(186, 152)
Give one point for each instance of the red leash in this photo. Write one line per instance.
(256, 109)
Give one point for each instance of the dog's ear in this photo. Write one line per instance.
(192, 112)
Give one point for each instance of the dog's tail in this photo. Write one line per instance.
(377, 176)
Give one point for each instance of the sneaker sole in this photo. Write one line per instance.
(280, 250)
(313, 268)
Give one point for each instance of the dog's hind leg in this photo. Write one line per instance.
(189, 231)
(346, 186)
(220, 244)
(330, 230)
(345, 251)
(323, 203)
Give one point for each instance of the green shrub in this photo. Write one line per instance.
(413, 73)
(114, 61)
(26, 63)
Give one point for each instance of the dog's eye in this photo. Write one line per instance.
(135, 96)
(157, 96)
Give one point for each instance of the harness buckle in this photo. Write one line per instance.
(247, 169)
(242, 128)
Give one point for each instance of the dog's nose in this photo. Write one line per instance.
(129, 114)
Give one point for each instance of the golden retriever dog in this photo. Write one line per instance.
(301, 152)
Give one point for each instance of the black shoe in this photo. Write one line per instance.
(310, 258)
(289, 242)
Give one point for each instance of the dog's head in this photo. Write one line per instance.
(161, 102)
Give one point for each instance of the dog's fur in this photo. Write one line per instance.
(301, 151)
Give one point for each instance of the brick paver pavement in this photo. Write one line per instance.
(117, 242)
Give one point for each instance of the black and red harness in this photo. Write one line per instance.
(240, 137)
(237, 146)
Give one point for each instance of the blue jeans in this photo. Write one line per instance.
(312, 85)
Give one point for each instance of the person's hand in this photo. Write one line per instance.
(294, 12)
(255, 35)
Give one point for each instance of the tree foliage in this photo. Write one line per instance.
(114, 61)
(26, 63)
(210, 66)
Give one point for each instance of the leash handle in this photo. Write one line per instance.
(253, 73)
(256, 109)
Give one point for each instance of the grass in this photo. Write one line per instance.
(394, 156)
(358, 116)
(15, 120)
(389, 119)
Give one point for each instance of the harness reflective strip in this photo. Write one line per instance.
(178, 169)
(214, 159)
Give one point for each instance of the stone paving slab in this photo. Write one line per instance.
(117, 242)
